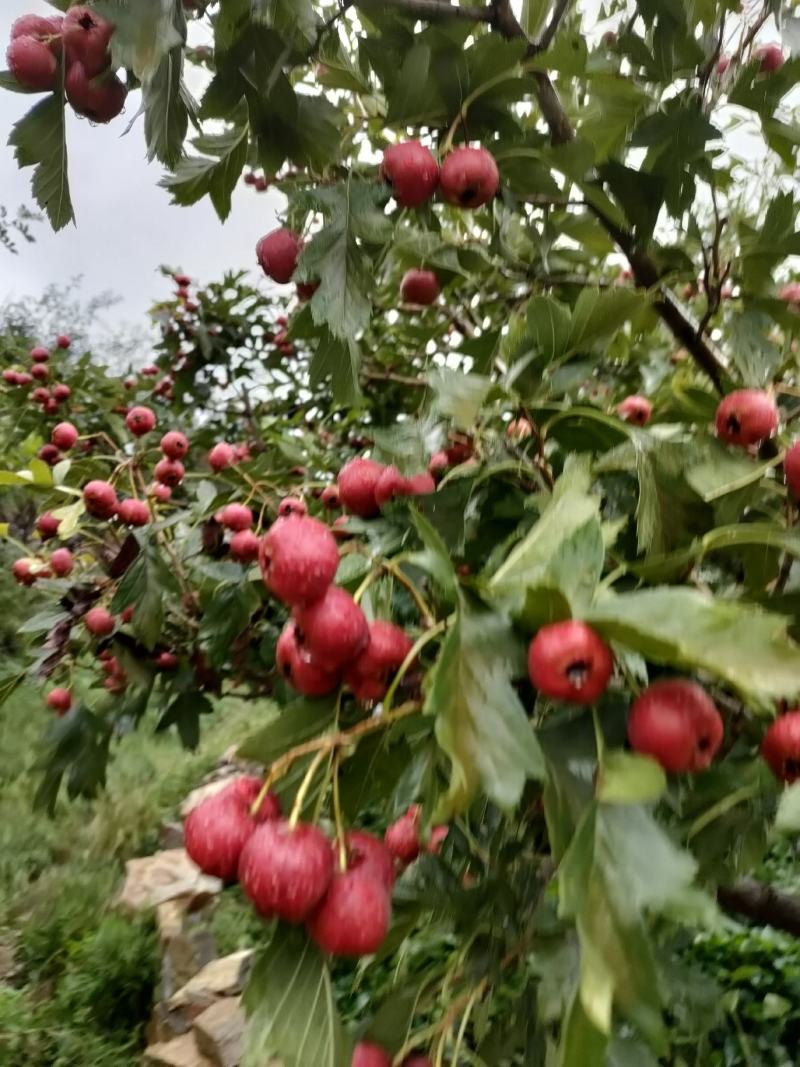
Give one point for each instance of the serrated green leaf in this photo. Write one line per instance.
(724, 470)
(166, 110)
(184, 713)
(226, 613)
(144, 33)
(214, 174)
(292, 725)
(338, 360)
(628, 778)
(39, 140)
(459, 396)
(142, 587)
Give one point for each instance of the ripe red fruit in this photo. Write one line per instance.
(369, 675)
(291, 505)
(150, 371)
(64, 436)
(39, 354)
(100, 499)
(49, 454)
(469, 177)
(298, 559)
(286, 871)
(354, 917)
(99, 621)
(781, 746)
(47, 525)
(169, 472)
(402, 837)
(98, 100)
(722, 64)
(277, 253)
(32, 63)
(419, 287)
(22, 572)
(770, 57)
(127, 614)
(417, 1061)
(438, 464)
(244, 546)
(40, 372)
(166, 661)
(59, 700)
(676, 722)
(635, 409)
(221, 456)
(43, 28)
(23, 378)
(133, 512)
(140, 420)
(329, 497)
(569, 661)
(791, 469)
(369, 853)
(305, 290)
(174, 444)
(333, 630)
(299, 669)
(365, 1054)
(61, 562)
(790, 293)
(86, 37)
(50, 406)
(412, 172)
(215, 833)
(182, 280)
(61, 392)
(357, 481)
(160, 492)
(10, 376)
(63, 341)
(746, 417)
(236, 517)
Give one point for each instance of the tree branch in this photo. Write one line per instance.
(762, 904)
(550, 29)
(432, 10)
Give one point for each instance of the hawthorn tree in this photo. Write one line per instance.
(528, 697)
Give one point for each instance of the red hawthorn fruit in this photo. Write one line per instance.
(174, 444)
(676, 722)
(298, 559)
(127, 614)
(150, 371)
(42, 28)
(635, 409)
(791, 468)
(412, 172)
(49, 454)
(781, 746)
(100, 499)
(22, 571)
(305, 290)
(356, 482)
(86, 38)
(166, 661)
(746, 417)
(366, 1054)
(332, 630)
(367, 852)
(50, 406)
(438, 464)
(459, 452)
(277, 253)
(64, 436)
(99, 621)
(117, 683)
(133, 512)
(61, 392)
(369, 675)
(10, 376)
(390, 484)
(182, 280)
(63, 341)
(59, 700)
(169, 472)
(40, 372)
(790, 293)
(61, 562)
(329, 498)
(353, 918)
(402, 837)
(420, 287)
(417, 1060)
(244, 546)
(221, 456)
(47, 525)
(160, 492)
(570, 661)
(40, 395)
(39, 354)
(235, 517)
(98, 100)
(291, 505)
(23, 378)
(469, 177)
(770, 58)
(140, 420)
(297, 667)
(32, 63)
(437, 839)
(215, 833)
(286, 871)
(261, 185)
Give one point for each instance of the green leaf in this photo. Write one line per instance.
(214, 174)
(39, 140)
(533, 16)
(628, 778)
(297, 722)
(581, 1044)
(414, 95)
(559, 332)
(755, 357)
(724, 470)
(166, 110)
(435, 558)
(480, 721)
(291, 1008)
(338, 360)
(142, 587)
(287, 16)
(787, 818)
(184, 713)
(735, 641)
(549, 324)
(459, 396)
(144, 33)
(225, 615)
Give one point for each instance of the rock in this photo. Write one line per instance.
(180, 1052)
(170, 917)
(185, 956)
(219, 1032)
(225, 977)
(168, 874)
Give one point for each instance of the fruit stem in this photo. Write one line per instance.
(415, 650)
(305, 785)
(422, 605)
(337, 816)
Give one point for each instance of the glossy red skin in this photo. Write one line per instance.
(369, 675)
(412, 172)
(63, 341)
(366, 1054)
(299, 669)
(86, 38)
(357, 482)
(100, 499)
(246, 788)
(277, 253)
(244, 546)
(23, 378)
(40, 395)
(50, 406)
(353, 919)
(10, 376)
(61, 392)
(291, 505)
(298, 559)
(100, 101)
(402, 837)
(47, 526)
(791, 469)
(329, 498)
(21, 570)
(286, 872)
(49, 454)
(215, 834)
(61, 562)
(469, 177)
(40, 372)
(676, 722)
(169, 472)
(781, 746)
(420, 287)
(133, 512)
(746, 417)
(99, 621)
(770, 57)
(390, 484)
(39, 355)
(236, 517)
(174, 444)
(366, 852)
(161, 493)
(59, 700)
(140, 420)
(564, 645)
(221, 456)
(41, 27)
(166, 661)
(333, 630)
(635, 409)
(32, 63)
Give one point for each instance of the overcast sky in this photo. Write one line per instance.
(126, 227)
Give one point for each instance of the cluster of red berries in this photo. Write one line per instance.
(770, 59)
(28, 571)
(364, 486)
(50, 398)
(80, 40)
(224, 455)
(258, 181)
(467, 178)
